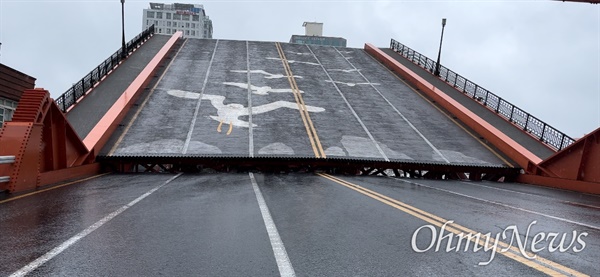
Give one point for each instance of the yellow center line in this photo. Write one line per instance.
(310, 129)
(51, 188)
(114, 148)
(444, 113)
(539, 263)
(219, 127)
(296, 98)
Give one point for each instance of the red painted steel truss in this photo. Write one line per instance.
(43, 144)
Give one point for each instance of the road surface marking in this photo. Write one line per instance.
(74, 239)
(535, 195)
(219, 127)
(504, 205)
(308, 124)
(302, 115)
(186, 145)
(250, 130)
(396, 110)
(51, 188)
(539, 263)
(281, 256)
(445, 114)
(350, 107)
(114, 148)
(231, 128)
(232, 112)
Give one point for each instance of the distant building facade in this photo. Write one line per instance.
(12, 84)
(191, 19)
(313, 35)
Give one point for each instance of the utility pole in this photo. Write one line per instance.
(437, 64)
(123, 50)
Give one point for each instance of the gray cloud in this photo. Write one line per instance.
(540, 55)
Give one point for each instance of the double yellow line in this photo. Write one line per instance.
(539, 263)
(308, 124)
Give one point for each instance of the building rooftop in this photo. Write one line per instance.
(192, 8)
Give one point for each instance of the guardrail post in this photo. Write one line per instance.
(62, 103)
(543, 132)
(447, 72)
(486, 98)
(498, 105)
(74, 95)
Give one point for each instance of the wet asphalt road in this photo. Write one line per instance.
(211, 225)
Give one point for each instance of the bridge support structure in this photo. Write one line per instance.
(44, 146)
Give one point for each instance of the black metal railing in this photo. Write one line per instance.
(547, 134)
(78, 89)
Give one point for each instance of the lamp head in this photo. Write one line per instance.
(443, 21)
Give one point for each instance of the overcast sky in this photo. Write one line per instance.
(543, 56)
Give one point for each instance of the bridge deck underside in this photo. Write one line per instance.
(232, 98)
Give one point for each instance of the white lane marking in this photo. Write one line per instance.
(536, 195)
(350, 107)
(297, 53)
(344, 70)
(267, 74)
(292, 61)
(396, 110)
(74, 239)
(265, 90)
(186, 145)
(250, 132)
(352, 84)
(506, 205)
(281, 256)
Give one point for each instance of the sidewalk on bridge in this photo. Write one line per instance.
(530, 143)
(88, 112)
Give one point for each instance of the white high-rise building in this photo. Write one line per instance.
(191, 19)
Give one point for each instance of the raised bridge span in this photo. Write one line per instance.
(233, 98)
(241, 162)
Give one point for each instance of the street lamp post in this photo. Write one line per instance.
(437, 64)
(123, 50)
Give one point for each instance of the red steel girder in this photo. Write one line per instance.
(41, 140)
(580, 161)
